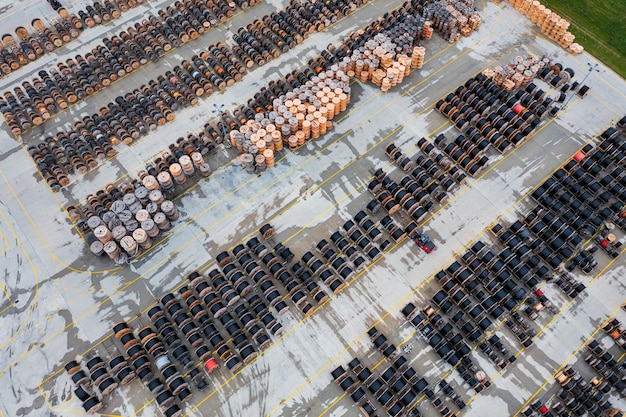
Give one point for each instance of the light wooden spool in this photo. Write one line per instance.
(343, 100)
(260, 144)
(177, 172)
(112, 249)
(260, 161)
(187, 165)
(322, 125)
(299, 119)
(306, 128)
(315, 129)
(150, 227)
(156, 196)
(150, 182)
(165, 180)
(129, 245)
(336, 102)
(38, 24)
(293, 142)
(324, 112)
(197, 159)
(97, 248)
(161, 221)
(142, 238)
(169, 209)
(142, 215)
(330, 111)
(103, 234)
(232, 135)
(269, 157)
(300, 137)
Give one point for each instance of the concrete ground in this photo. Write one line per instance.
(59, 301)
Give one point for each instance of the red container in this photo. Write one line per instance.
(518, 108)
(579, 156)
(211, 365)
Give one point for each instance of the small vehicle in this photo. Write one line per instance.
(423, 241)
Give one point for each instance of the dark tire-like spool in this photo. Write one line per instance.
(267, 231)
(72, 367)
(92, 405)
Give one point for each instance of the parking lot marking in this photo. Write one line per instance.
(6, 246)
(31, 308)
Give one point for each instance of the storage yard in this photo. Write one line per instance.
(309, 209)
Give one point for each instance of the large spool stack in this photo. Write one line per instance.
(378, 62)
(386, 51)
(302, 114)
(125, 220)
(122, 221)
(417, 61)
(453, 18)
(141, 111)
(551, 24)
(520, 71)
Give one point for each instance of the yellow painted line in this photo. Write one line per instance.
(606, 105)
(564, 364)
(58, 407)
(4, 289)
(7, 245)
(31, 308)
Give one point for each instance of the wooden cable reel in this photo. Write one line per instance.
(267, 231)
(38, 24)
(21, 32)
